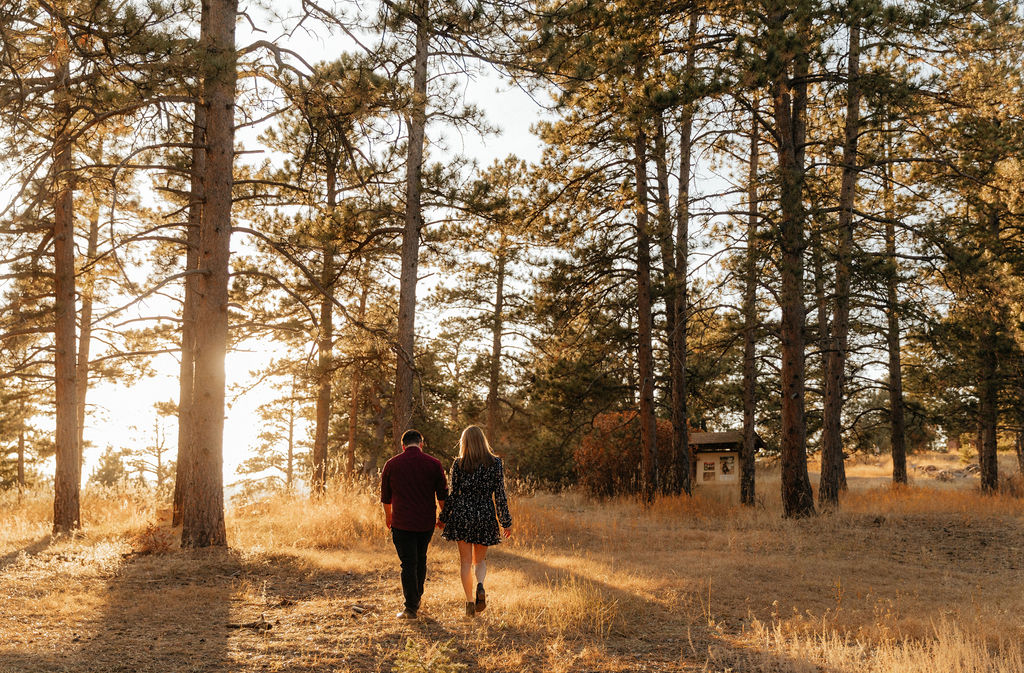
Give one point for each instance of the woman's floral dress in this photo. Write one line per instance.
(476, 504)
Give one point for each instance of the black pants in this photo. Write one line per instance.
(412, 552)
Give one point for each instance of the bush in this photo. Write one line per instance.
(608, 458)
(153, 539)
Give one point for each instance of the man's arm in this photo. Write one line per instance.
(385, 493)
(441, 493)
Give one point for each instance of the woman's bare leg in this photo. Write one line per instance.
(480, 562)
(466, 554)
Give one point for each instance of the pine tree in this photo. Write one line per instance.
(281, 454)
(486, 268)
(203, 491)
(110, 471)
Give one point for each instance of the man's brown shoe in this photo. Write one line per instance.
(471, 609)
(406, 614)
(481, 598)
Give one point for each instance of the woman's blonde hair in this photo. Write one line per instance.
(474, 451)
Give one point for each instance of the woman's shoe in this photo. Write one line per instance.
(470, 609)
(481, 598)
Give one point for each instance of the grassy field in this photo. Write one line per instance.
(928, 578)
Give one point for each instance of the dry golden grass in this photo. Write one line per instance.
(925, 578)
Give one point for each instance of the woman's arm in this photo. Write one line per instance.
(453, 490)
(500, 499)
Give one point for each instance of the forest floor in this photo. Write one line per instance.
(928, 578)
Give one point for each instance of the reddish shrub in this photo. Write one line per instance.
(608, 457)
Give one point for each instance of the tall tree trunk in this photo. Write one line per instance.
(158, 448)
(897, 424)
(85, 331)
(380, 430)
(750, 322)
(645, 355)
(680, 342)
(21, 458)
(325, 346)
(789, 106)
(1018, 446)
(671, 480)
(417, 121)
(817, 258)
(988, 395)
(988, 385)
(67, 479)
(455, 409)
(497, 327)
(833, 469)
(290, 464)
(353, 410)
(203, 516)
(630, 366)
(186, 375)
(674, 254)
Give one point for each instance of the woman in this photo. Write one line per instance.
(475, 506)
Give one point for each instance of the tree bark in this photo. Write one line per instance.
(750, 322)
(380, 429)
(417, 121)
(674, 255)
(85, 331)
(186, 376)
(988, 413)
(1018, 446)
(325, 346)
(789, 107)
(665, 225)
(21, 457)
(67, 479)
(817, 255)
(645, 355)
(158, 451)
(497, 327)
(671, 481)
(680, 342)
(897, 424)
(203, 516)
(290, 464)
(353, 412)
(833, 469)
(679, 283)
(988, 385)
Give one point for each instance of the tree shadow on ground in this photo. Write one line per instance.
(172, 612)
(30, 549)
(326, 618)
(163, 613)
(152, 614)
(653, 635)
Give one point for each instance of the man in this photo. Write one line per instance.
(409, 485)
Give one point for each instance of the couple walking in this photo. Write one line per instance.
(470, 512)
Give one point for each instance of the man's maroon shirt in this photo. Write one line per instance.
(409, 483)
